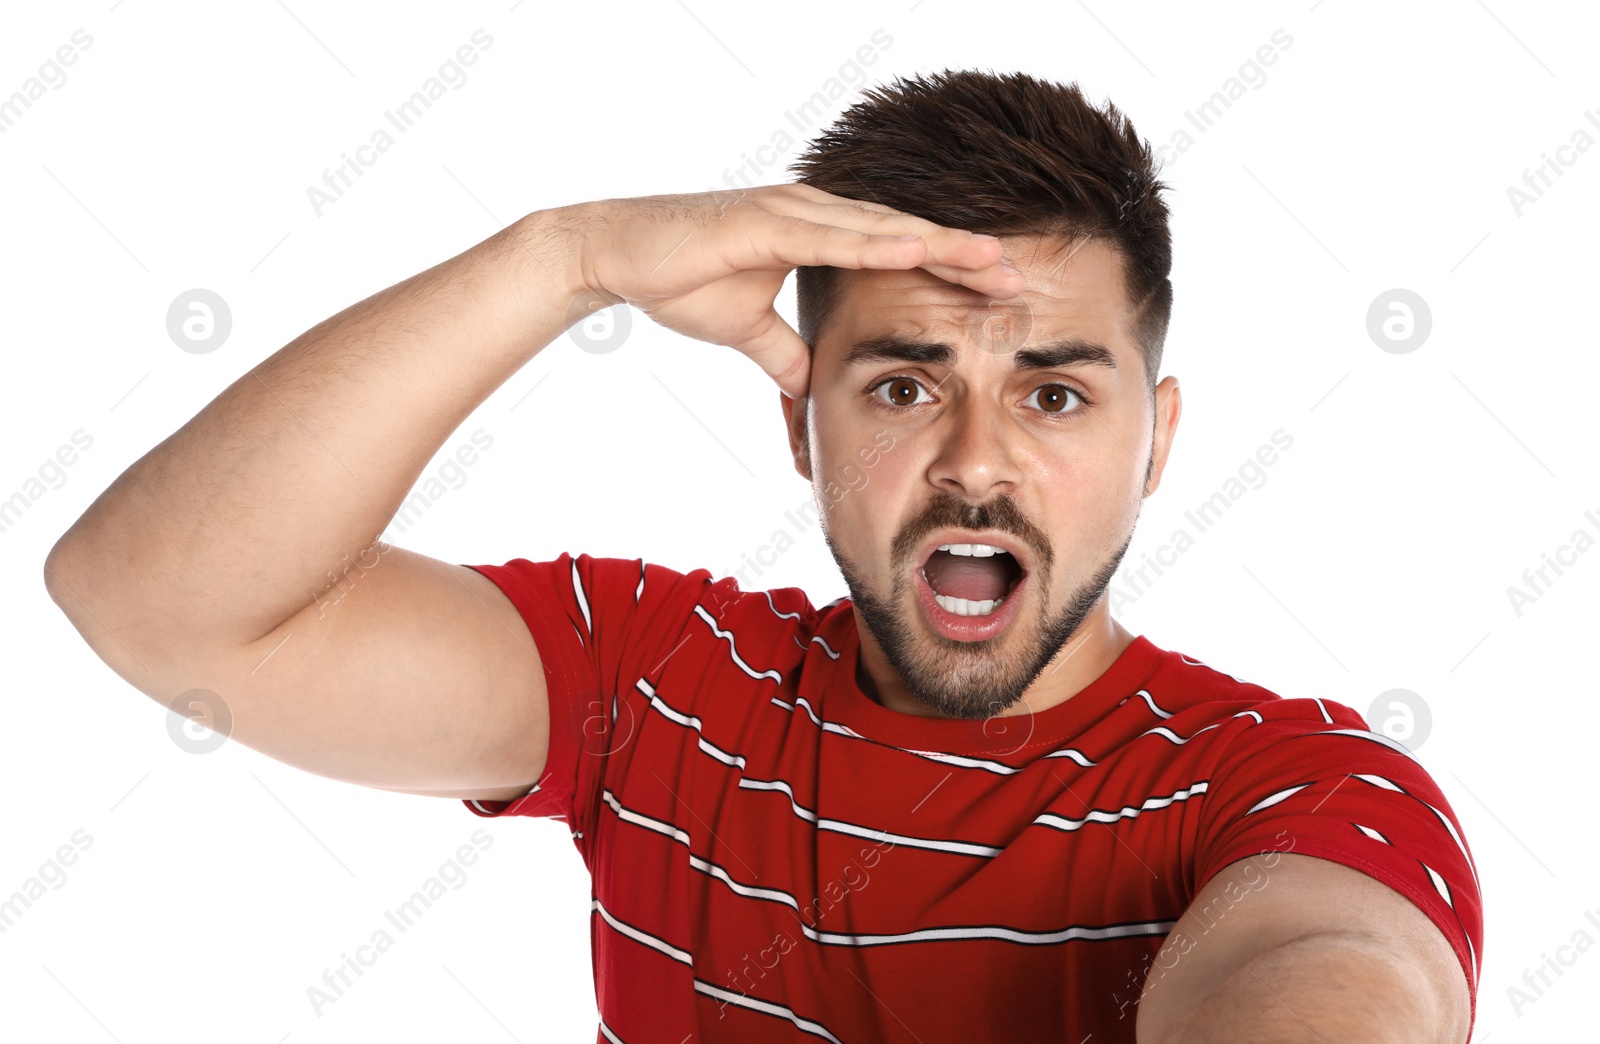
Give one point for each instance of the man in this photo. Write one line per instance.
(963, 803)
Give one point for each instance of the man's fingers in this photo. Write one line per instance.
(787, 242)
(952, 246)
(796, 241)
(869, 240)
(995, 281)
(781, 354)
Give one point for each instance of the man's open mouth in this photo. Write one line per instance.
(971, 579)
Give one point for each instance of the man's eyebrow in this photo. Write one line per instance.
(1074, 351)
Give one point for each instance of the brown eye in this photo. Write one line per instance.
(1053, 398)
(902, 391)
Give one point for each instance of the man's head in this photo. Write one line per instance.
(1003, 155)
(1033, 424)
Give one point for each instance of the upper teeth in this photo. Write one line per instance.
(974, 550)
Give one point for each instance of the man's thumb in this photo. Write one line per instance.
(781, 353)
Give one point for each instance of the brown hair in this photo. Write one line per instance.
(1003, 155)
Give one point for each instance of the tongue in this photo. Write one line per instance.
(964, 576)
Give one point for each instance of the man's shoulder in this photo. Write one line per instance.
(774, 607)
(1198, 694)
(767, 635)
(638, 577)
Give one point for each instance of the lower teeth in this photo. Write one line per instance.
(963, 607)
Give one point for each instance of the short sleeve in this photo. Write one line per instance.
(599, 624)
(1308, 776)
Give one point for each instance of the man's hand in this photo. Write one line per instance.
(709, 265)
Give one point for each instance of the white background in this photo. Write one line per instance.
(1376, 155)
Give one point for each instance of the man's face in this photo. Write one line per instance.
(987, 441)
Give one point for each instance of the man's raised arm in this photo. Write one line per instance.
(208, 563)
(202, 566)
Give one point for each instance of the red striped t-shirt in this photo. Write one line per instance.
(776, 857)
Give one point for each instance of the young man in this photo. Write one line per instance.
(963, 803)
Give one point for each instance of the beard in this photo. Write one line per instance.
(970, 680)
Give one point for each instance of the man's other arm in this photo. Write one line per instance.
(1287, 947)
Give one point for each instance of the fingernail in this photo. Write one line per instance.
(980, 235)
(1009, 267)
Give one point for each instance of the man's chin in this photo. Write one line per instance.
(971, 680)
(968, 705)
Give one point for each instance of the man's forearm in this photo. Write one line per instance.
(1332, 988)
(223, 530)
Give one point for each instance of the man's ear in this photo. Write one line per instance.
(795, 412)
(1168, 407)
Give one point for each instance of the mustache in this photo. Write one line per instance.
(947, 510)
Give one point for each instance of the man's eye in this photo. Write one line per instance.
(1053, 397)
(902, 391)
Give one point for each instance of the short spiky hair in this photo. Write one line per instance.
(1003, 155)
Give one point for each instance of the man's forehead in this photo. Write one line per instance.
(1074, 289)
